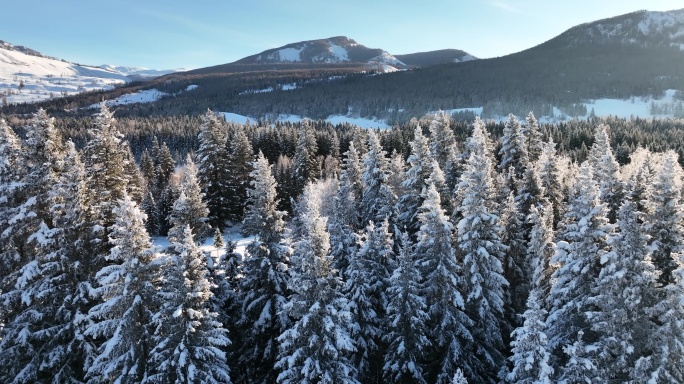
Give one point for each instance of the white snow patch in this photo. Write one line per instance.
(234, 117)
(144, 96)
(287, 54)
(191, 87)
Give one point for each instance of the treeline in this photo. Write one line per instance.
(435, 252)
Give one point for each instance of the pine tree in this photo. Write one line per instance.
(241, 157)
(106, 180)
(550, 177)
(366, 282)
(125, 287)
(318, 345)
(533, 138)
(306, 167)
(623, 292)
(407, 338)
(582, 242)
(448, 323)
(212, 168)
(189, 209)
(516, 266)
(42, 341)
(263, 287)
(530, 357)
(415, 181)
(664, 222)
(187, 337)
(514, 148)
(540, 249)
(580, 368)
(442, 140)
(606, 171)
(481, 250)
(346, 218)
(378, 199)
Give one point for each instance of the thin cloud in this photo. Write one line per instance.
(505, 6)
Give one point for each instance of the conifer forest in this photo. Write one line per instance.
(438, 251)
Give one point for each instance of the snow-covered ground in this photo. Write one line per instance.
(26, 78)
(144, 96)
(333, 119)
(232, 234)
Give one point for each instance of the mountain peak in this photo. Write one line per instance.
(643, 28)
(337, 49)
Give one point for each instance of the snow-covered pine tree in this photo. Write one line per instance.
(212, 168)
(663, 361)
(407, 333)
(42, 342)
(415, 180)
(449, 326)
(240, 160)
(540, 249)
(163, 188)
(12, 170)
(515, 264)
(513, 148)
(126, 289)
(582, 242)
(378, 199)
(317, 347)
(106, 180)
(442, 140)
(189, 208)
(481, 250)
(606, 171)
(664, 221)
(263, 287)
(306, 167)
(188, 339)
(580, 368)
(533, 138)
(551, 182)
(397, 167)
(625, 289)
(366, 282)
(530, 357)
(346, 219)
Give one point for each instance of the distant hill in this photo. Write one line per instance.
(442, 56)
(28, 76)
(637, 55)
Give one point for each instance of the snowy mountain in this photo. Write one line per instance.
(645, 29)
(140, 72)
(28, 76)
(339, 49)
(442, 56)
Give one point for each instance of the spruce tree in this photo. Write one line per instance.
(582, 242)
(533, 138)
(306, 167)
(407, 336)
(415, 181)
(263, 287)
(606, 171)
(378, 199)
(212, 168)
(240, 160)
(125, 288)
(189, 208)
(624, 290)
(481, 250)
(188, 337)
(449, 326)
(551, 182)
(318, 345)
(366, 280)
(664, 221)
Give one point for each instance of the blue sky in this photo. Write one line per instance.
(174, 34)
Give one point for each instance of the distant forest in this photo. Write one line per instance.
(438, 251)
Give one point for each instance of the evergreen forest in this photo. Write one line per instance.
(443, 250)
